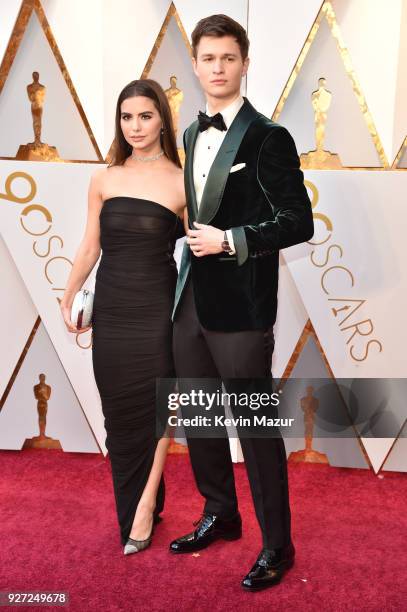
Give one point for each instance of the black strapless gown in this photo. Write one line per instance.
(132, 338)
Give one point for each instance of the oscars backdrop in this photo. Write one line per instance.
(334, 73)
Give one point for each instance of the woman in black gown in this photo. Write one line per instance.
(134, 216)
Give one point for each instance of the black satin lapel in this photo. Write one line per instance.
(219, 172)
(189, 172)
(182, 276)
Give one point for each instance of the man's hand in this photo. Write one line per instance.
(205, 240)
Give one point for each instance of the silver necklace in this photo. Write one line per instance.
(147, 159)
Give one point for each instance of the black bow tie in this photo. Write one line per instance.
(216, 121)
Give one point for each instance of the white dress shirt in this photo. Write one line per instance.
(207, 146)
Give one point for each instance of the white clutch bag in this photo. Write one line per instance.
(82, 308)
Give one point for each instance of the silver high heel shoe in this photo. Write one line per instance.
(135, 546)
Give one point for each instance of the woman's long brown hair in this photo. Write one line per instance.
(153, 90)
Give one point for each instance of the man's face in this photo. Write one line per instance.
(219, 66)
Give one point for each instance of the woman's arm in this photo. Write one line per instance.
(88, 252)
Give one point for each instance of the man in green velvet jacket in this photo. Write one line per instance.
(246, 201)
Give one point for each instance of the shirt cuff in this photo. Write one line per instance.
(229, 236)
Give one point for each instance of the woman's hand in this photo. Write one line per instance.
(66, 314)
(87, 255)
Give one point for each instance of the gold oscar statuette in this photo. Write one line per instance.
(321, 101)
(175, 97)
(42, 393)
(309, 406)
(37, 150)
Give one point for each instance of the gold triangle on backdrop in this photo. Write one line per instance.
(172, 12)
(41, 374)
(327, 12)
(307, 333)
(23, 18)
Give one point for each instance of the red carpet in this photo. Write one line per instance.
(58, 532)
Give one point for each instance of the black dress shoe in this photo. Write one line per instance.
(209, 528)
(269, 568)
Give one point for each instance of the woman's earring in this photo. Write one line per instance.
(162, 131)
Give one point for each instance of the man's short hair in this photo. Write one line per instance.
(218, 26)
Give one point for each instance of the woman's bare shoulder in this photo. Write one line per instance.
(179, 171)
(177, 174)
(172, 168)
(102, 176)
(105, 171)
(99, 175)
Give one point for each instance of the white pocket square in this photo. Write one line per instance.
(237, 167)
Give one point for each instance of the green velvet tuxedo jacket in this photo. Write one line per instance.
(266, 206)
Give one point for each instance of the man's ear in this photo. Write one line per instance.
(245, 66)
(194, 66)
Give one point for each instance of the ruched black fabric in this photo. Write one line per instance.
(132, 337)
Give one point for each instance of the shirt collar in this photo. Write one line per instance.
(230, 112)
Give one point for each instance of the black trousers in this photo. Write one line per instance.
(200, 353)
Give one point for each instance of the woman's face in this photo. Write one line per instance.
(141, 124)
